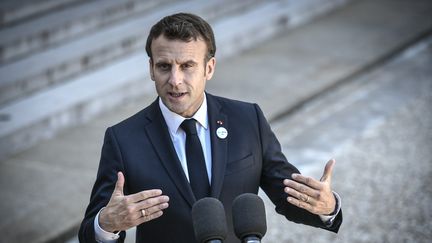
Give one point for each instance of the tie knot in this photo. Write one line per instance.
(189, 126)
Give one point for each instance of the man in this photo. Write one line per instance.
(150, 177)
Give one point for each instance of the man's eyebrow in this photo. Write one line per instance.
(190, 62)
(161, 62)
(182, 62)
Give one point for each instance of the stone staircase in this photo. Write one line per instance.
(64, 62)
(12, 11)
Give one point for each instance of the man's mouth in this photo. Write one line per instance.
(176, 94)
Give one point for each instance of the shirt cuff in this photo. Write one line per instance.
(101, 235)
(328, 219)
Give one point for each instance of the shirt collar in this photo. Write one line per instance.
(174, 120)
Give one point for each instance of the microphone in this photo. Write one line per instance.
(209, 221)
(249, 218)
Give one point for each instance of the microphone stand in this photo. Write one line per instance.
(251, 239)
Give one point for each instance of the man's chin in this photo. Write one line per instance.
(177, 108)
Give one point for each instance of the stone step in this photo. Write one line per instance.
(80, 98)
(12, 11)
(52, 66)
(27, 75)
(356, 107)
(299, 65)
(57, 26)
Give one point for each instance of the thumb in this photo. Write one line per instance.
(118, 190)
(328, 170)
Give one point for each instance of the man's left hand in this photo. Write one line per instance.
(310, 194)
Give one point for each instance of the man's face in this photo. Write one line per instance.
(180, 73)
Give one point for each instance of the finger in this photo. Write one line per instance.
(145, 212)
(145, 218)
(118, 190)
(309, 181)
(300, 196)
(143, 195)
(155, 209)
(301, 204)
(150, 202)
(148, 217)
(300, 188)
(328, 171)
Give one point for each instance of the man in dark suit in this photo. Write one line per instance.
(147, 175)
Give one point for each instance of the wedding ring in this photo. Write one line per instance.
(307, 199)
(143, 212)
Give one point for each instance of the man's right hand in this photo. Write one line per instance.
(124, 212)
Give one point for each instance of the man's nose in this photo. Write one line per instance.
(176, 77)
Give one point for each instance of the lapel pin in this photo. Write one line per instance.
(221, 132)
(219, 122)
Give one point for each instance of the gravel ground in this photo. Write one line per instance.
(384, 179)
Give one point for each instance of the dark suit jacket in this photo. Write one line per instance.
(249, 158)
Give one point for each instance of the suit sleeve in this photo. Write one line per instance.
(276, 168)
(110, 164)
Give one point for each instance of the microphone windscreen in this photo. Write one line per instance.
(249, 216)
(209, 220)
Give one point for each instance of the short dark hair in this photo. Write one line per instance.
(185, 27)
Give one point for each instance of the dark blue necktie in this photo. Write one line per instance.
(198, 177)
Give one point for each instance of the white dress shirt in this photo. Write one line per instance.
(178, 137)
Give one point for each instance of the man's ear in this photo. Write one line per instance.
(210, 68)
(151, 69)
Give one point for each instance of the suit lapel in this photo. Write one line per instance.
(219, 145)
(157, 131)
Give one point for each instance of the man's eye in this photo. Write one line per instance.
(186, 65)
(163, 66)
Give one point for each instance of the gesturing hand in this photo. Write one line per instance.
(124, 212)
(313, 195)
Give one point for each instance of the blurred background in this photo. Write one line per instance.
(343, 79)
